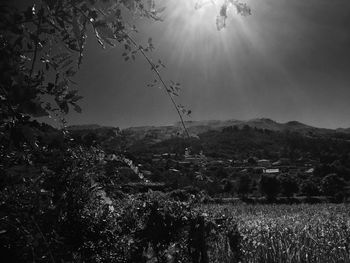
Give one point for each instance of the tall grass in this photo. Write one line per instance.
(290, 233)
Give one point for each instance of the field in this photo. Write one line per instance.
(290, 233)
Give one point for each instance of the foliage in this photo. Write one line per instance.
(332, 184)
(42, 47)
(269, 185)
(289, 185)
(310, 187)
(241, 8)
(74, 220)
(47, 199)
(54, 207)
(244, 184)
(173, 231)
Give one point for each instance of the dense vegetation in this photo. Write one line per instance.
(239, 143)
(230, 166)
(298, 233)
(64, 199)
(57, 202)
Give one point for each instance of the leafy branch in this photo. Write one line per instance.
(165, 86)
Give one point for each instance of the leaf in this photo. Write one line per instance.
(64, 106)
(223, 10)
(76, 98)
(70, 72)
(150, 44)
(243, 9)
(77, 108)
(71, 94)
(104, 33)
(220, 22)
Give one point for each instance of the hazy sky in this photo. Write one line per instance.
(289, 60)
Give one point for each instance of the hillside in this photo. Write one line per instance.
(144, 136)
(240, 143)
(195, 128)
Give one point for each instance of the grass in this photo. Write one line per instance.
(290, 233)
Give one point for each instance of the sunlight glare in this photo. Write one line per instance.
(193, 32)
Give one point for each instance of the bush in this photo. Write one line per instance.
(169, 230)
(60, 213)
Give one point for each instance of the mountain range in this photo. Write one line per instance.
(160, 133)
(198, 127)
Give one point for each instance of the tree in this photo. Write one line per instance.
(251, 160)
(42, 47)
(269, 186)
(289, 185)
(244, 184)
(221, 173)
(332, 185)
(52, 195)
(309, 187)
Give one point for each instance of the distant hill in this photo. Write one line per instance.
(262, 138)
(240, 143)
(343, 130)
(85, 127)
(262, 123)
(155, 134)
(159, 133)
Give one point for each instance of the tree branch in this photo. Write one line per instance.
(165, 86)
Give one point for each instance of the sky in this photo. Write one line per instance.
(289, 60)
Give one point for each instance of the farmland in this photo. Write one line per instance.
(290, 233)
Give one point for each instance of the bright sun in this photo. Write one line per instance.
(200, 13)
(194, 24)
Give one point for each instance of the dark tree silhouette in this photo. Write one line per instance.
(269, 186)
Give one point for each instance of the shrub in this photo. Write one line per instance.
(59, 212)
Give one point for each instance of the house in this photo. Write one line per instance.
(271, 171)
(310, 171)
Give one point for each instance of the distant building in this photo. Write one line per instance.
(196, 159)
(271, 171)
(310, 171)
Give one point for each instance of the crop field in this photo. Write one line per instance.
(290, 233)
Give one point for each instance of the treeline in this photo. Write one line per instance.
(242, 143)
(247, 142)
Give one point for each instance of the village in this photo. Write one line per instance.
(217, 176)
